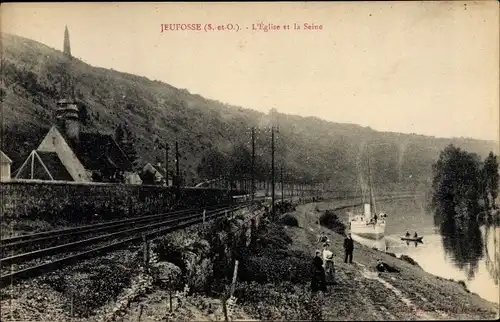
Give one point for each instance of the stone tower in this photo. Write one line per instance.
(67, 111)
(67, 47)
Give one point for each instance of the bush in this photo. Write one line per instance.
(273, 237)
(93, 285)
(271, 260)
(408, 259)
(290, 220)
(275, 302)
(330, 220)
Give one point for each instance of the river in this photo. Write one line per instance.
(467, 251)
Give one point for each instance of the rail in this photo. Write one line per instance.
(17, 241)
(182, 221)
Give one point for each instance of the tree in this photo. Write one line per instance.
(491, 175)
(456, 182)
(148, 177)
(83, 113)
(119, 133)
(212, 165)
(483, 187)
(240, 163)
(126, 139)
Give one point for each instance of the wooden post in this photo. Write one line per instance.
(72, 314)
(170, 294)
(204, 215)
(145, 250)
(141, 307)
(235, 274)
(224, 308)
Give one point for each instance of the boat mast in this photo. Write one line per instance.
(372, 199)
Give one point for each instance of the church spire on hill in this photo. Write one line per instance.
(67, 90)
(67, 47)
(67, 111)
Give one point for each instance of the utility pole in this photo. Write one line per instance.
(177, 169)
(282, 190)
(253, 164)
(272, 169)
(167, 147)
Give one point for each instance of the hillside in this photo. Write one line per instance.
(314, 149)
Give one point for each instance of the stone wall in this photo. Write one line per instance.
(78, 202)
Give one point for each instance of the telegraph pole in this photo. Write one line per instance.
(272, 169)
(177, 170)
(166, 163)
(253, 164)
(282, 190)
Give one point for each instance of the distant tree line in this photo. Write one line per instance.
(463, 183)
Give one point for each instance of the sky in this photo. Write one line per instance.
(430, 68)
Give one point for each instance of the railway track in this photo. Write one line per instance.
(36, 240)
(116, 235)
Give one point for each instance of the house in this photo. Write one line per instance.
(158, 173)
(85, 157)
(5, 163)
(68, 154)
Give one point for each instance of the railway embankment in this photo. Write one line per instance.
(103, 287)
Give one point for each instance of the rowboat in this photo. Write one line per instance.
(412, 239)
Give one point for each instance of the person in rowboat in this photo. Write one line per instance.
(415, 235)
(407, 234)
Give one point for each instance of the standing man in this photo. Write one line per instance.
(348, 248)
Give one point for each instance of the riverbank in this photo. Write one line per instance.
(410, 294)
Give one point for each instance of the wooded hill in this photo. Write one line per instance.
(313, 149)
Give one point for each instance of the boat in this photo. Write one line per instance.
(368, 224)
(412, 239)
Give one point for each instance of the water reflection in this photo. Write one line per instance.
(463, 242)
(491, 235)
(415, 242)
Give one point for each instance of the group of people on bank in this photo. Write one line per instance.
(323, 262)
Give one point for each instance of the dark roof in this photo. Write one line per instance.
(159, 169)
(54, 165)
(98, 151)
